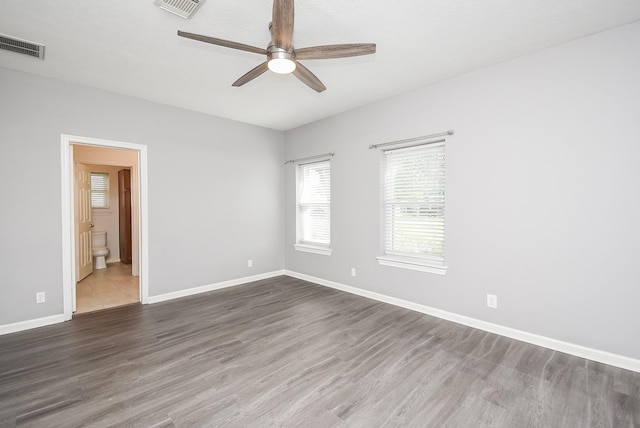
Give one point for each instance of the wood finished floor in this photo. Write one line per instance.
(284, 352)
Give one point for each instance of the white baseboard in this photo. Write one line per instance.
(211, 287)
(41, 322)
(547, 342)
(29, 324)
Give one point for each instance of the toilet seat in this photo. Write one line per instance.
(100, 251)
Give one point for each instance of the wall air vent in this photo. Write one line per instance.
(183, 8)
(25, 47)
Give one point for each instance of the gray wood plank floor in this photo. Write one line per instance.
(285, 352)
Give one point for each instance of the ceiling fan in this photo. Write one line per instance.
(281, 56)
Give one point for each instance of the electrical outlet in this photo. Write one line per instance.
(250, 263)
(40, 297)
(353, 271)
(492, 301)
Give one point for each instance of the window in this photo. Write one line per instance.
(99, 190)
(314, 207)
(413, 207)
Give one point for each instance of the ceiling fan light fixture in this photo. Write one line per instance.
(281, 61)
(281, 65)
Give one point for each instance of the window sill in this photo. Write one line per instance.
(411, 263)
(316, 249)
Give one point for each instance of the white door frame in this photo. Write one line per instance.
(68, 233)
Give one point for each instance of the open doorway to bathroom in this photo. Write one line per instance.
(119, 275)
(106, 269)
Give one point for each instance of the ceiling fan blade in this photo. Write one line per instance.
(251, 74)
(336, 51)
(220, 42)
(282, 23)
(308, 78)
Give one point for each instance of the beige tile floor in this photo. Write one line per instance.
(107, 288)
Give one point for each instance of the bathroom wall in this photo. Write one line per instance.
(101, 159)
(108, 219)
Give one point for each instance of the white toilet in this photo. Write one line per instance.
(99, 249)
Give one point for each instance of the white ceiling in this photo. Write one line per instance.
(131, 47)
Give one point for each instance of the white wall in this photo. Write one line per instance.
(543, 199)
(206, 176)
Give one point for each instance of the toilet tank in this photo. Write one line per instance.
(98, 239)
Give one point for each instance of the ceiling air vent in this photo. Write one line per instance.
(25, 47)
(183, 8)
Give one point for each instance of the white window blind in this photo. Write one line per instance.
(413, 194)
(99, 190)
(314, 203)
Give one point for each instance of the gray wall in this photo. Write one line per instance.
(215, 190)
(543, 197)
(542, 191)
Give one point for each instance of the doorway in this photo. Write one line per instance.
(105, 274)
(105, 153)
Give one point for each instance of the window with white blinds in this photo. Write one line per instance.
(99, 190)
(414, 202)
(314, 206)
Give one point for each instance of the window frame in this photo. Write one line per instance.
(423, 262)
(104, 191)
(307, 245)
